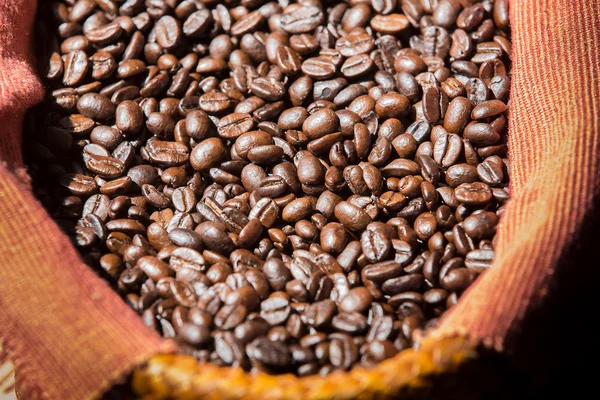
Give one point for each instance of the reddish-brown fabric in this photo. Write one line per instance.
(70, 335)
(554, 149)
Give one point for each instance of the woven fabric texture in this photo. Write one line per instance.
(554, 151)
(71, 337)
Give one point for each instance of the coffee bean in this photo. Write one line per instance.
(268, 90)
(435, 103)
(447, 149)
(488, 109)
(352, 323)
(392, 105)
(207, 154)
(302, 20)
(130, 68)
(319, 314)
(288, 60)
(357, 300)
(298, 209)
(491, 171)
(479, 260)
(197, 23)
(500, 86)
(321, 123)
(274, 354)
(76, 67)
(153, 267)
(160, 125)
(376, 244)
(129, 117)
(356, 66)
(458, 279)
(214, 102)
(319, 68)
(168, 32)
(193, 334)
(230, 316)
(401, 167)
(95, 106)
(390, 24)
(402, 284)
(476, 193)
(283, 188)
(459, 174)
(382, 328)
(229, 349)
(351, 216)
(343, 352)
(481, 225)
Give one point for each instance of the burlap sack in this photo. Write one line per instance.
(71, 337)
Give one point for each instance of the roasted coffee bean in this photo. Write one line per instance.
(95, 106)
(392, 105)
(160, 125)
(476, 193)
(321, 123)
(129, 117)
(229, 316)
(310, 171)
(447, 149)
(479, 260)
(271, 353)
(401, 167)
(319, 314)
(357, 300)
(351, 217)
(267, 89)
(287, 188)
(481, 134)
(458, 279)
(193, 334)
(355, 44)
(168, 32)
(457, 115)
(343, 352)
(275, 310)
(130, 68)
(411, 282)
(491, 171)
(356, 66)
(153, 268)
(435, 103)
(376, 244)
(208, 154)
(352, 323)
(459, 174)
(319, 68)
(76, 68)
(302, 20)
(390, 24)
(481, 225)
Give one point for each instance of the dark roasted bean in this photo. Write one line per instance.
(357, 300)
(343, 352)
(273, 354)
(76, 68)
(95, 106)
(289, 187)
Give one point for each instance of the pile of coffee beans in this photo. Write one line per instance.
(290, 187)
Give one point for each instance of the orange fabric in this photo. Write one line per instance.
(554, 150)
(71, 336)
